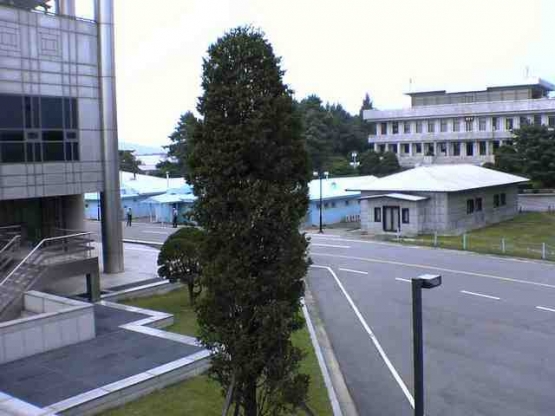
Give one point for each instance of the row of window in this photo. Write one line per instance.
(441, 148)
(456, 124)
(333, 204)
(405, 215)
(475, 205)
(38, 129)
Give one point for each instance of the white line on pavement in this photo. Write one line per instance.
(329, 245)
(403, 280)
(324, 235)
(480, 295)
(377, 344)
(352, 271)
(142, 249)
(154, 232)
(543, 308)
(441, 269)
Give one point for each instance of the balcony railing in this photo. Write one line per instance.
(84, 10)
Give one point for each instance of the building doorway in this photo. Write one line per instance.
(391, 220)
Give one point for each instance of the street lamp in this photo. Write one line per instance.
(354, 163)
(426, 281)
(320, 176)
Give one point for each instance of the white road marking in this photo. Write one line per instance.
(377, 344)
(324, 236)
(480, 295)
(441, 269)
(352, 271)
(403, 280)
(141, 249)
(329, 245)
(543, 308)
(155, 232)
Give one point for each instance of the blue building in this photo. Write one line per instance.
(338, 204)
(162, 206)
(134, 190)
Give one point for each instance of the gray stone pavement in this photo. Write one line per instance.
(487, 330)
(113, 355)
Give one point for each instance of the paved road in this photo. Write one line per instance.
(488, 330)
(139, 231)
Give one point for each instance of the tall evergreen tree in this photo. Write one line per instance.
(535, 146)
(177, 150)
(249, 168)
(316, 127)
(128, 162)
(367, 104)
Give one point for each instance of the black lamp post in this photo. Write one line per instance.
(320, 175)
(426, 281)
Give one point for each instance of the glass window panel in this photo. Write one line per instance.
(13, 152)
(67, 113)
(53, 136)
(71, 135)
(28, 113)
(53, 152)
(11, 111)
(33, 135)
(51, 112)
(38, 152)
(11, 136)
(74, 114)
(36, 112)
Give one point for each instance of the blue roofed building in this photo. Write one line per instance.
(338, 204)
(134, 190)
(162, 206)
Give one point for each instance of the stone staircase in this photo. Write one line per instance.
(25, 273)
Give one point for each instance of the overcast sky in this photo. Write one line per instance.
(336, 49)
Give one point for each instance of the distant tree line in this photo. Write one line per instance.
(330, 133)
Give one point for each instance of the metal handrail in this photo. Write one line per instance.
(10, 243)
(38, 246)
(47, 13)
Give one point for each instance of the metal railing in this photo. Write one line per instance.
(8, 251)
(55, 250)
(46, 7)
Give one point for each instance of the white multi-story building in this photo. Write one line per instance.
(460, 127)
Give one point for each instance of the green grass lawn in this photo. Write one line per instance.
(200, 395)
(523, 237)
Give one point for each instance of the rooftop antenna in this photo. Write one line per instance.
(410, 84)
(527, 73)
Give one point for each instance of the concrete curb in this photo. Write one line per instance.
(340, 397)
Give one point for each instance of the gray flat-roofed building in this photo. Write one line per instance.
(58, 133)
(460, 127)
(447, 199)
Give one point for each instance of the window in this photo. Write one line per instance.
(456, 149)
(470, 149)
(36, 129)
(326, 205)
(443, 125)
(482, 148)
(482, 124)
(377, 214)
(496, 201)
(406, 148)
(431, 126)
(406, 127)
(393, 148)
(333, 204)
(372, 129)
(495, 123)
(495, 145)
(405, 215)
(381, 148)
(469, 123)
(419, 126)
(443, 148)
(469, 206)
(395, 127)
(503, 199)
(523, 121)
(478, 204)
(537, 120)
(456, 124)
(551, 121)
(429, 149)
(509, 124)
(418, 148)
(347, 203)
(383, 128)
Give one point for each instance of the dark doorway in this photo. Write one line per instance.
(391, 220)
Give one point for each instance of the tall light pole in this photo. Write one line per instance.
(354, 163)
(427, 281)
(320, 176)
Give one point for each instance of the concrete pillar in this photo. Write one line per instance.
(410, 149)
(67, 7)
(112, 245)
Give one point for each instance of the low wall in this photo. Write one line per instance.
(58, 322)
(536, 202)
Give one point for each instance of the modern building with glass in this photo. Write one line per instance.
(58, 128)
(460, 127)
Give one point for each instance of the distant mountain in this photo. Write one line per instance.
(142, 149)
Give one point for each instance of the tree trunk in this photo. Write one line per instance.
(191, 287)
(249, 399)
(229, 396)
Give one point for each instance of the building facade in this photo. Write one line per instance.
(460, 127)
(58, 129)
(447, 199)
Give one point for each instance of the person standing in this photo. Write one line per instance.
(174, 217)
(129, 217)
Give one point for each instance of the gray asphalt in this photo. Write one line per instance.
(483, 356)
(138, 231)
